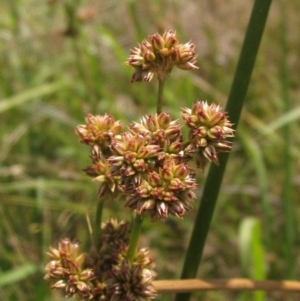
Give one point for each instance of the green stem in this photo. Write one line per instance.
(134, 236)
(15, 18)
(161, 84)
(134, 17)
(98, 221)
(72, 22)
(234, 107)
(138, 219)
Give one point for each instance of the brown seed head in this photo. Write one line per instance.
(209, 131)
(170, 190)
(65, 270)
(98, 130)
(161, 130)
(132, 281)
(158, 55)
(132, 152)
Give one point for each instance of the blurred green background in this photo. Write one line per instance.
(63, 59)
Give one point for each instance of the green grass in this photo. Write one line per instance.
(48, 82)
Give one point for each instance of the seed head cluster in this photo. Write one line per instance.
(147, 163)
(66, 271)
(132, 280)
(98, 132)
(209, 130)
(105, 274)
(158, 55)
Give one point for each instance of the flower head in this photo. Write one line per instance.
(114, 241)
(160, 129)
(132, 153)
(209, 129)
(128, 281)
(65, 270)
(98, 130)
(159, 54)
(100, 170)
(115, 233)
(170, 190)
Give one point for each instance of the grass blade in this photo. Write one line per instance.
(29, 95)
(234, 107)
(256, 157)
(18, 274)
(252, 253)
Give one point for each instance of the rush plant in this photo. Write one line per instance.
(147, 166)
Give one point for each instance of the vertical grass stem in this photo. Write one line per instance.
(234, 107)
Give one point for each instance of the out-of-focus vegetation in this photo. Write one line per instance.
(63, 59)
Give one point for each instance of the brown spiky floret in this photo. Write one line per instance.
(159, 54)
(209, 131)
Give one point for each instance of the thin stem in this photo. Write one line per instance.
(161, 84)
(134, 17)
(138, 219)
(15, 18)
(134, 236)
(98, 221)
(235, 284)
(234, 107)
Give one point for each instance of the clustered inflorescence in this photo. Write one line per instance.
(147, 165)
(103, 275)
(159, 54)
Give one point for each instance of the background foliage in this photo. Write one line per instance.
(63, 59)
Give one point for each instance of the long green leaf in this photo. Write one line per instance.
(284, 120)
(29, 95)
(256, 157)
(252, 254)
(18, 274)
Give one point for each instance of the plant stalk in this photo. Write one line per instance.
(134, 236)
(234, 107)
(138, 219)
(98, 221)
(233, 284)
(161, 84)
